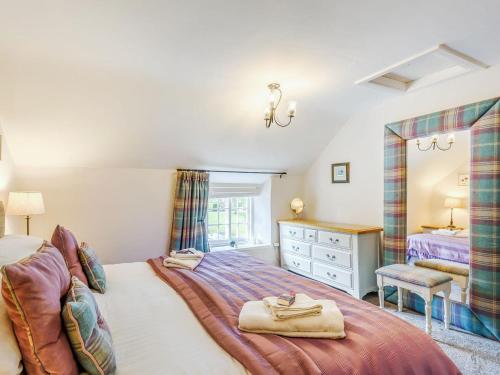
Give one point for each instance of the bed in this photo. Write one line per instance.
(156, 329)
(438, 246)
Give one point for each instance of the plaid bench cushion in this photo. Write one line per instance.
(444, 266)
(414, 275)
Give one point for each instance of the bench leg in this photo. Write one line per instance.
(380, 283)
(428, 315)
(381, 296)
(400, 299)
(463, 296)
(446, 302)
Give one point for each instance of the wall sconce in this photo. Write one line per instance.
(434, 143)
(274, 100)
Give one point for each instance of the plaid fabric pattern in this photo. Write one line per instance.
(92, 268)
(394, 198)
(484, 120)
(87, 331)
(189, 226)
(485, 219)
(414, 275)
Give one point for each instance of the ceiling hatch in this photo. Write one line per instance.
(434, 65)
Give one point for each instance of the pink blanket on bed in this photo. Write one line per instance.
(376, 343)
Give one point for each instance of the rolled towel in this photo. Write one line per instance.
(190, 253)
(255, 318)
(303, 306)
(188, 264)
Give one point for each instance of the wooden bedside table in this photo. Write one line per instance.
(430, 228)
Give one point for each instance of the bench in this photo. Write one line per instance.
(423, 281)
(459, 273)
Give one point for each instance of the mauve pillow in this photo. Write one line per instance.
(66, 242)
(32, 289)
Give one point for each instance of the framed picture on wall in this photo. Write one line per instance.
(463, 179)
(340, 173)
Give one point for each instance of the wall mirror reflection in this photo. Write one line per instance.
(438, 207)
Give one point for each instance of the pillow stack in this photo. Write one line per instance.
(32, 289)
(88, 333)
(35, 288)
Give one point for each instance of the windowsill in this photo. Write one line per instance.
(241, 247)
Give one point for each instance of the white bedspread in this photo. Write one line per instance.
(154, 331)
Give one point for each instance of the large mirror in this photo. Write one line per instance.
(438, 171)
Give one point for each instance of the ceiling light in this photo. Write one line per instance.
(274, 101)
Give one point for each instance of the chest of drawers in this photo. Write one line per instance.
(344, 256)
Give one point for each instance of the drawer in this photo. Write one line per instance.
(297, 263)
(310, 235)
(333, 274)
(336, 257)
(297, 247)
(292, 232)
(336, 239)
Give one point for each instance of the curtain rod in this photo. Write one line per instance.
(219, 171)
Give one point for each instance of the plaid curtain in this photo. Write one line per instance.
(483, 118)
(189, 224)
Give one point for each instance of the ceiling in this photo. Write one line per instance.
(182, 83)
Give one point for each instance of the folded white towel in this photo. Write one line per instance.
(188, 264)
(303, 306)
(445, 232)
(255, 318)
(190, 253)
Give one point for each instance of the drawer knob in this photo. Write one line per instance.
(296, 264)
(336, 240)
(311, 235)
(331, 275)
(330, 256)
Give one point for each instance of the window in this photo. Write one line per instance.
(229, 219)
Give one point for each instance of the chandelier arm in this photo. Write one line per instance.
(282, 125)
(444, 149)
(279, 98)
(426, 149)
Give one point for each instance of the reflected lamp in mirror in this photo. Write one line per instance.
(297, 206)
(25, 203)
(451, 203)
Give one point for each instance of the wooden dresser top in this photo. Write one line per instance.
(336, 227)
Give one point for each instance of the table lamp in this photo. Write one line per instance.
(452, 203)
(25, 203)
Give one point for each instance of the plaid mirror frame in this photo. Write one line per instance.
(483, 120)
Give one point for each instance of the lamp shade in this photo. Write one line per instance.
(297, 205)
(25, 203)
(452, 202)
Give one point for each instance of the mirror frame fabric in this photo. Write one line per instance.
(483, 120)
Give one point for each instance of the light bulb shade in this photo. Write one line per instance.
(25, 203)
(297, 205)
(451, 202)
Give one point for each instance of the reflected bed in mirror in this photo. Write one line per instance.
(438, 215)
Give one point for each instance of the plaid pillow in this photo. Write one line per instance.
(92, 268)
(87, 331)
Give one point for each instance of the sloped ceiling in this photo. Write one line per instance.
(182, 83)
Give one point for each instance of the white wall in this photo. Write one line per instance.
(433, 176)
(6, 177)
(125, 214)
(361, 141)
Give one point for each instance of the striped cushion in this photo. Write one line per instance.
(92, 268)
(414, 275)
(444, 266)
(87, 331)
